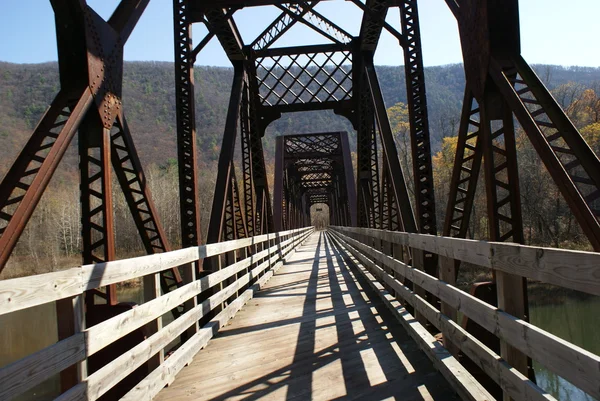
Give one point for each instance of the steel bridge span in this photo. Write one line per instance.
(267, 306)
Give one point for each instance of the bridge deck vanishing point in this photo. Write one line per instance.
(315, 331)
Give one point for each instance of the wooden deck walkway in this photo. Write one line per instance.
(313, 332)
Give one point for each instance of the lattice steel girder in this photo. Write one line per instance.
(349, 182)
(304, 75)
(489, 32)
(314, 145)
(281, 25)
(224, 28)
(319, 24)
(247, 165)
(97, 219)
(574, 167)
(372, 23)
(257, 123)
(367, 184)
(191, 234)
(201, 5)
(418, 118)
(465, 171)
(278, 196)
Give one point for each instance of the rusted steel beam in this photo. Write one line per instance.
(372, 23)
(293, 50)
(418, 119)
(224, 28)
(191, 234)
(216, 225)
(278, 195)
(465, 171)
(281, 25)
(573, 166)
(489, 32)
(398, 183)
(97, 221)
(247, 161)
(130, 174)
(23, 186)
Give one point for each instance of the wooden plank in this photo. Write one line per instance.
(32, 370)
(570, 269)
(103, 274)
(471, 251)
(515, 384)
(463, 383)
(227, 246)
(580, 367)
(26, 292)
(109, 331)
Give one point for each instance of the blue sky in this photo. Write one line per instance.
(552, 32)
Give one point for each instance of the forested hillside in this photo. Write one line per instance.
(149, 103)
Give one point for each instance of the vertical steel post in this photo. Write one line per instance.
(191, 234)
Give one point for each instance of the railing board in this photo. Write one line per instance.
(26, 292)
(580, 367)
(34, 369)
(516, 385)
(103, 274)
(577, 270)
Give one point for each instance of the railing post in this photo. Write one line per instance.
(70, 314)
(388, 249)
(448, 274)
(152, 290)
(189, 276)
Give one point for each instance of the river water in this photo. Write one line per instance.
(574, 320)
(577, 321)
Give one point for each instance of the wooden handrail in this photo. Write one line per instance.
(26, 292)
(580, 367)
(577, 270)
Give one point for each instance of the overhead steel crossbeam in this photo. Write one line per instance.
(303, 13)
(313, 168)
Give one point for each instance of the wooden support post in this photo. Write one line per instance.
(447, 274)
(189, 276)
(152, 290)
(70, 315)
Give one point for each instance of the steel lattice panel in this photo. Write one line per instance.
(302, 78)
(321, 145)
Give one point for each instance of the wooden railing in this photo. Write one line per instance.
(570, 269)
(246, 275)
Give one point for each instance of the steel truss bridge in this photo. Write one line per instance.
(385, 269)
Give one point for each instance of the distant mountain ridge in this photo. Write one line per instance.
(149, 103)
